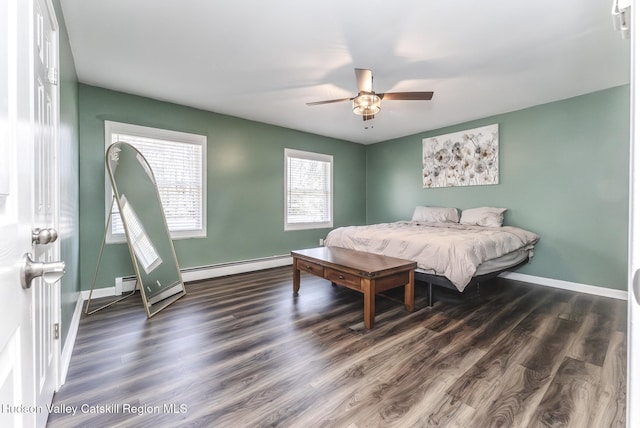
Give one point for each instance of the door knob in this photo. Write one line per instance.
(50, 272)
(43, 236)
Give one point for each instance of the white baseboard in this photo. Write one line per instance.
(69, 342)
(566, 285)
(224, 269)
(99, 292)
(127, 283)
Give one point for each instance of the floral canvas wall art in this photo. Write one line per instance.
(466, 158)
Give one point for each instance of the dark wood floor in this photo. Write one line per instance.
(241, 351)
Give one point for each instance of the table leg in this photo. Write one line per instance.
(409, 292)
(296, 277)
(369, 290)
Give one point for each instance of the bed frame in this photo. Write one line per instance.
(442, 281)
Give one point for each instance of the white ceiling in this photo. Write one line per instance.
(263, 60)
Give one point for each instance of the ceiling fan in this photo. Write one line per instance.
(367, 102)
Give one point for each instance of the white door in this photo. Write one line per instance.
(28, 200)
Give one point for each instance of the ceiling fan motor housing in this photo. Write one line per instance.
(366, 104)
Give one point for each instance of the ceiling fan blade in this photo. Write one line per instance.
(406, 96)
(315, 103)
(365, 80)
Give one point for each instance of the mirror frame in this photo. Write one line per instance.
(174, 291)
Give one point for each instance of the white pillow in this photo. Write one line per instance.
(435, 214)
(483, 216)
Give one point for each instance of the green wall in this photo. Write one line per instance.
(563, 175)
(69, 178)
(245, 183)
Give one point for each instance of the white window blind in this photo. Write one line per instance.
(177, 160)
(308, 190)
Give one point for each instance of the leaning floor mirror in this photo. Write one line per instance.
(145, 226)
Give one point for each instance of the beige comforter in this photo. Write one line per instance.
(449, 249)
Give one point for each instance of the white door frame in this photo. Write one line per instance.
(633, 282)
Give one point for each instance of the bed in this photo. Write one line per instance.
(451, 251)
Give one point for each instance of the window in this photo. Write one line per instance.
(178, 163)
(308, 190)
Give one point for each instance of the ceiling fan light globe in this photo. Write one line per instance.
(366, 104)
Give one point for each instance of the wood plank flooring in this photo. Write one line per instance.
(241, 351)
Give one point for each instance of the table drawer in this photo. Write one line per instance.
(310, 267)
(346, 279)
(392, 281)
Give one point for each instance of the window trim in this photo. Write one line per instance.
(111, 127)
(300, 154)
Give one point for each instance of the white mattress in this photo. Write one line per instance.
(452, 250)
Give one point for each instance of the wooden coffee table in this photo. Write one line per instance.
(364, 272)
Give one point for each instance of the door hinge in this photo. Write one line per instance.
(53, 75)
(56, 330)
